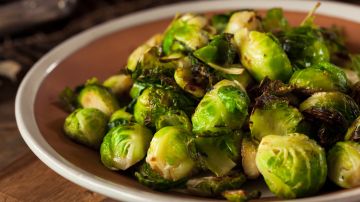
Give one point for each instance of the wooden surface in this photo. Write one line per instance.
(23, 177)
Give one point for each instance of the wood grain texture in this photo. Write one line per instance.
(28, 179)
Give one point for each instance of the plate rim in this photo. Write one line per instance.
(27, 91)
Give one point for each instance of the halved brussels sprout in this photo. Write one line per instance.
(262, 55)
(274, 116)
(124, 146)
(96, 96)
(171, 153)
(321, 77)
(240, 195)
(292, 166)
(212, 186)
(243, 20)
(189, 81)
(118, 84)
(221, 110)
(150, 68)
(155, 101)
(248, 154)
(185, 33)
(224, 149)
(86, 126)
(274, 21)
(344, 164)
(137, 55)
(304, 46)
(330, 113)
(219, 51)
(173, 118)
(120, 117)
(148, 177)
(353, 132)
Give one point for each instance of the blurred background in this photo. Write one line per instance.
(28, 30)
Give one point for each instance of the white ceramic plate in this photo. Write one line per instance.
(29, 87)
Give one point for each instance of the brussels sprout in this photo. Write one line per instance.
(67, 98)
(335, 42)
(219, 21)
(279, 116)
(323, 76)
(241, 195)
(221, 110)
(220, 54)
(262, 55)
(353, 133)
(151, 69)
(148, 177)
(224, 149)
(304, 46)
(333, 102)
(118, 84)
(211, 186)
(331, 114)
(124, 146)
(120, 117)
(155, 101)
(275, 21)
(186, 79)
(173, 118)
(292, 166)
(243, 20)
(96, 96)
(344, 164)
(86, 126)
(248, 154)
(171, 153)
(137, 55)
(185, 33)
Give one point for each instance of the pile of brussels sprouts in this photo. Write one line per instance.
(214, 102)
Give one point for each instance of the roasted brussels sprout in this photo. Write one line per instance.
(330, 113)
(243, 20)
(124, 146)
(185, 33)
(155, 101)
(321, 77)
(214, 186)
(148, 177)
(221, 110)
(173, 118)
(93, 95)
(186, 79)
(220, 55)
(292, 166)
(335, 41)
(219, 21)
(262, 55)
(241, 195)
(171, 153)
(304, 46)
(151, 69)
(353, 133)
(120, 117)
(118, 84)
(275, 21)
(137, 55)
(86, 126)
(224, 149)
(344, 164)
(274, 116)
(248, 154)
